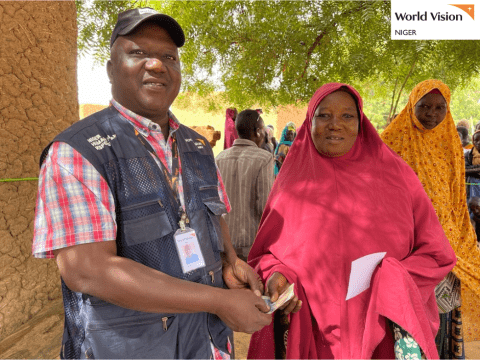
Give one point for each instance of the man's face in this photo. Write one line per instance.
(188, 251)
(145, 71)
(260, 133)
(462, 138)
(475, 209)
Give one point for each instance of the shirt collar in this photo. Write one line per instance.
(142, 123)
(244, 142)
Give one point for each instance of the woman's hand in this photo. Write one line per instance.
(276, 285)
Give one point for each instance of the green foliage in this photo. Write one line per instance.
(279, 52)
(465, 103)
(95, 21)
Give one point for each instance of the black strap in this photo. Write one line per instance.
(172, 178)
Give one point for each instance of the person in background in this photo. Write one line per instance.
(474, 208)
(247, 172)
(464, 138)
(272, 138)
(230, 132)
(465, 123)
(122, 195)
(424, 135)
(472, 167)
(268, 143)
(343, 195)
(286, 140)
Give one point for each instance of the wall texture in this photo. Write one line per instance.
(38, 99)
(286, 114)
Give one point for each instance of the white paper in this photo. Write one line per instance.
(361, 273)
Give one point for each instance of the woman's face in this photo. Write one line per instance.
(476, 141)
(335, 124)
(290, 135)
(430, 110)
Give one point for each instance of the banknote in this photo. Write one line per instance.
(282, 299)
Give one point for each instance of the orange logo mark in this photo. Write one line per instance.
(469, 9)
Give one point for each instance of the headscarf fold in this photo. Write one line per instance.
(230, 131)
(322, 214)
(437, 158)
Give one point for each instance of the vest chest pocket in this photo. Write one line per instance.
(216, 208)
(144, 222)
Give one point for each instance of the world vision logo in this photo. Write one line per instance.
(199, 143)
(437, 16)
(469, 9)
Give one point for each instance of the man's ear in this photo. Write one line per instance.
(109, 70)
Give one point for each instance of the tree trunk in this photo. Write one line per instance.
(38, 99)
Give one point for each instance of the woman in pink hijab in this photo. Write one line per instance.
(230, 131)
(343, 195)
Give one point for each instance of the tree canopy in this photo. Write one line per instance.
(279, 52)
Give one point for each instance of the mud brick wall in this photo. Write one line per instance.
(209, 133)
(286, 114)
(38, 99)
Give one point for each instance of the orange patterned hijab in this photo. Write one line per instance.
(436, 156)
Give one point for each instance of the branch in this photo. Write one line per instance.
(319, 37)
(310, 51)
(406, 78)
(393, 101)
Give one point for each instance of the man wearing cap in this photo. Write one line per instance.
(133, 174)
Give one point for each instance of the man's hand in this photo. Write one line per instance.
(243, 311)
(240, 275)
(276, 285)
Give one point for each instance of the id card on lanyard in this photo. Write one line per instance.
(186, 241)
(188, 248)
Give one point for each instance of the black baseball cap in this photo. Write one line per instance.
(129, 20)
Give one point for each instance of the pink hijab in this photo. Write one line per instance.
(322, 214)
(230, 131)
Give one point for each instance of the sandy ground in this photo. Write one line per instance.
(241, 344)
(41, 337)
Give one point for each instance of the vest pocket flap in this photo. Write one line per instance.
(147, 228)
(216, 206)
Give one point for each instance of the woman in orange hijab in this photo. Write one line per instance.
(424, 135)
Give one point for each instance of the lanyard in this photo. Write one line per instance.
(172, 178)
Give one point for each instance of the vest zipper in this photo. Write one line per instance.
(212, 274)
(164, 321)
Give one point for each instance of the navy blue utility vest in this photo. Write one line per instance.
(147, 218)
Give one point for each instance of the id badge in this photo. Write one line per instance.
(188, 250)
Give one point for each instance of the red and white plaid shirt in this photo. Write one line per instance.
(74, 203)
